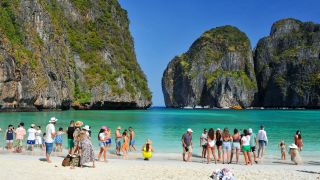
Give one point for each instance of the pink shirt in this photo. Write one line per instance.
(20, 133)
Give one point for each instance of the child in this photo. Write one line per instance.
(283, 147)
(294, 153)
(147, 150)
(31, 140)
(38, 137)
(125, 145)
(9, 136)
(58, 139)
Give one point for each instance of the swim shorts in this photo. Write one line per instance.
(49, 148)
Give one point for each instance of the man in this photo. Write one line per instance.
(187, 145)
(118, 140)
(263, 141)
(70, 131)
(132, 141)
(203, 143)
(49, 139)
(20, 135)
(31, 140)
(253, 143)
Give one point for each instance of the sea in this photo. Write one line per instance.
(165, 127)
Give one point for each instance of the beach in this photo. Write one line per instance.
(161, 166)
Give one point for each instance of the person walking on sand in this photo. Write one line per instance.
(298, 140)
(245, 147)
(219, 143)
(118, 138)
(187, 145)
(125, 145)
(147, 150)
(283, 148)
(58, 140)
(31, 140)
(102, 136)
(132, 140)
(235, 145)
(38, 137)
(203, 143)
(263, 141)
(226, 145)
(49, 139)
(9, 136)
(70, 131)
(20, 135)
(253, 144)
(76, 135)
(211, 145)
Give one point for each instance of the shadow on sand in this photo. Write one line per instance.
(310, 172)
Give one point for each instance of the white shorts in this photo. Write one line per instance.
(38, 140)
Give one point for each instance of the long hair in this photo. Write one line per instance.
(218, 135)
(101, 131)
(147, 147)
(211, 133)
(226, 132)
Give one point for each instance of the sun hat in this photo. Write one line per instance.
(78, 124)
(149, 141)
(250, 130)
(103, 127)
(189, 130)
(293, 146)
(119, 127)
(218, 129)
(53, 120)
(86, 127)
(32, 125)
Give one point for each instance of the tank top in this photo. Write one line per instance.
(10, 135)
(70, 132)
(237, 140)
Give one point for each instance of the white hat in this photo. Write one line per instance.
(53, 119)
(189, 130)
(32, 125)
(293, 146)
(250, 130)
(86, 127)
(218, 129)
(118, 127)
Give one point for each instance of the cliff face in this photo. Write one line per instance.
(61, 53)
(217, 71)
(287, 65)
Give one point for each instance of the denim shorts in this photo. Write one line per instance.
(49, 148)
(118, 143)
(262, 143)
(226, 146)
(102, 144)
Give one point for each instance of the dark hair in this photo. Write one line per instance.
(226, 133)
(72, 122)
(299, 136)
(60, 129)
(245, 132)
(262, 126)
(298, 132)
(211, 133)
(124, 133)
(205, 129)
(44, 134)
(39, 127)
(21, 124)
(10, 125)
(235, 131)
(218, 135)
(147, 147)
(101, 131)
(130, 127)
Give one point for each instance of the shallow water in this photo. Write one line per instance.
(166, 126)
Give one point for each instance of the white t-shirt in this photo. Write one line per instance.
(49, 130)
(102, 136)
(246, 140)
(204, 138)
(38, 133)
(32, 134)
(262, 135)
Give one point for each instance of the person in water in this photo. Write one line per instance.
(298, 140)
(203, 143)
(235, 145)
(263, 141)
(283, 148)
(187, 145)
(132, 140)
(20, 136)
(211, 145)
(147, 150)
(125, 145)
(294, 153)
(31, 140)
(118, 138)
(9, 137)
(219, 143)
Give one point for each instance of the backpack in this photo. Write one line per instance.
(66, 161)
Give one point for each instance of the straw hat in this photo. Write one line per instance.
(149, 141)
(86, 127)
(78, 124)
(53, 120)
(293, 146)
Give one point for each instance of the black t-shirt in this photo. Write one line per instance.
(70, 132)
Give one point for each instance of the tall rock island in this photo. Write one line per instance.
(57, 54)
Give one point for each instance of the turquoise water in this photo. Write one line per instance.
(165, 126)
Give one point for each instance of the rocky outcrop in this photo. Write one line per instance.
(62, 53)
(287, 65)
(217, 71)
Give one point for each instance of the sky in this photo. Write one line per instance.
(163, 29)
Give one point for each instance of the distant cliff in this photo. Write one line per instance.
(59, 54)
(219, 69)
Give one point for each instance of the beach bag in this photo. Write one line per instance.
(66, 161)
(75, 161)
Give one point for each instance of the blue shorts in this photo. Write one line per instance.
(102, 144)
(31, 142)
(132, 142)
(108, 141)
(262, 143)
(49, 148)
(226, 146)
(118, 143)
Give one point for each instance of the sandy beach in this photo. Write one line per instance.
(162, 166)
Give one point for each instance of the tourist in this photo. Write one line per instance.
(118, 139)
(20, 136)
(219, 143)
(31, 140)
(253, 144)
(58, 139)
(283, 148)
(235, 145)
(294, 153)
(38, 137)
(226, 145)
(147, 150)
(187, 145)
(76, 135)
(102, 137)
(109, 140)
(70, 131)
(203, 143)
(9, 136)
(245, 147)
(298, 140)
(132, 140)
(125, 145)
(86, 148)
(263, 141)
(50, 134)
(211, 145)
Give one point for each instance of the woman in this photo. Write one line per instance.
(147, 150)
(9, 136)
(294, 153)
(102, 137)
(226, 145)
(245, 147)
(235, 145)
(125, 145)
(38, 137)
(219, 143)
(211, 145)
(86, 148)
(298, 140)
(203, 143)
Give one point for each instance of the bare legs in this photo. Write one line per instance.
(247, 158)
(204, 151)
(219, 153)
(104, 151)
(213, 154)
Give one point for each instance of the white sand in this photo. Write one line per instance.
(162, 166)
